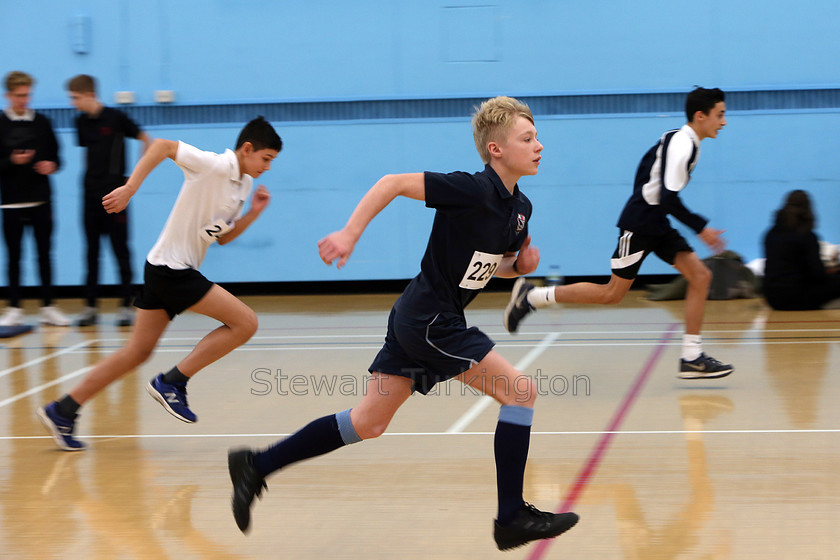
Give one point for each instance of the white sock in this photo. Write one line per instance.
(541, 297)
(692, 347)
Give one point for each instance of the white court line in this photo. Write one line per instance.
(68, 350)
(515, 345)
(433, 434)
(40, 388)
(476, 409)
(504, 333)
(547, 342)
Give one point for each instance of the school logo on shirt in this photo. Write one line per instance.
(520, 222)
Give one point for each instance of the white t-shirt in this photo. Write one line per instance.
(213, 190)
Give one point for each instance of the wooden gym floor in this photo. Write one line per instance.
(739, 468)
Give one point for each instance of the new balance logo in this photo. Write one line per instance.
(172, 398)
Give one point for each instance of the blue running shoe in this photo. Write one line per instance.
(60, 428)
(172, 397)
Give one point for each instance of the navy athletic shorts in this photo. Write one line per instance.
(430, 350)
(633, 248)
(173, 290)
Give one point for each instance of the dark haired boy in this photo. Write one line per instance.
(644, 228)
(102, 132)
(208, 209)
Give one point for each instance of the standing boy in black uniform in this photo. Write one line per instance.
(102, 131)
(28, 156)
(481, 223)
(644, 228)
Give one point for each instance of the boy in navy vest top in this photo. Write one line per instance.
(644, 228)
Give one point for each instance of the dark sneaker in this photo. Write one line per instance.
(172, 397)
(518, 307)
(60, 428)
(88, 317)
(247, 483)
(125, 317)
(530, 525)
(704, 367)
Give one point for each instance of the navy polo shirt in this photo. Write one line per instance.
(477, 221)
(104, 137)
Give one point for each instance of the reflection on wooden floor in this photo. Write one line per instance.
(739, 468)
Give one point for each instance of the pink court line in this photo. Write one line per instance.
(603, 444)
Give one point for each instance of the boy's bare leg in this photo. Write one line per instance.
(699, 278)
(59, 417)
(148, 328)
(587, 292)
(385, 395)
(496, 377)
(240, 324)
(525, 297)
(695, 363)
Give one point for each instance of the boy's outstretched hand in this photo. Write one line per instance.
(337, 245)
(260, 198)
(712, 238)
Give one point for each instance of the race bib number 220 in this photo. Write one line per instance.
(481, 269)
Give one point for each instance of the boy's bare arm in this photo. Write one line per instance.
(160, 149)
(340, 244)
(146, 140)
(259, 201)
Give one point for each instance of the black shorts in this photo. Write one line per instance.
(172, 290)
(431, 350)
(634, 248)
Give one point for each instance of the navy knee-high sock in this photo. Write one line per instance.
(316, 438)
(513, 437)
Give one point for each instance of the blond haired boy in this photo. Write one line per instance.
(480, 231)
(28, 156)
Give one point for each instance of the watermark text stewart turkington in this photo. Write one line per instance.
(274, 382)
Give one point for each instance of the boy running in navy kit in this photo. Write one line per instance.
(102, 132)
(480, 230)
(208, 209)
(644, 228)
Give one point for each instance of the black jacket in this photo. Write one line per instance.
(21, 183)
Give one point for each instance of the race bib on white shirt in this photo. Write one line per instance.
(213, 231)
(481, 269)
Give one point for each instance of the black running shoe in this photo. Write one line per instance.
(518, 307)
(704, 367)
(532, 524)
(247, 483)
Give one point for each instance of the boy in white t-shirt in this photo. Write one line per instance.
(208, 209)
